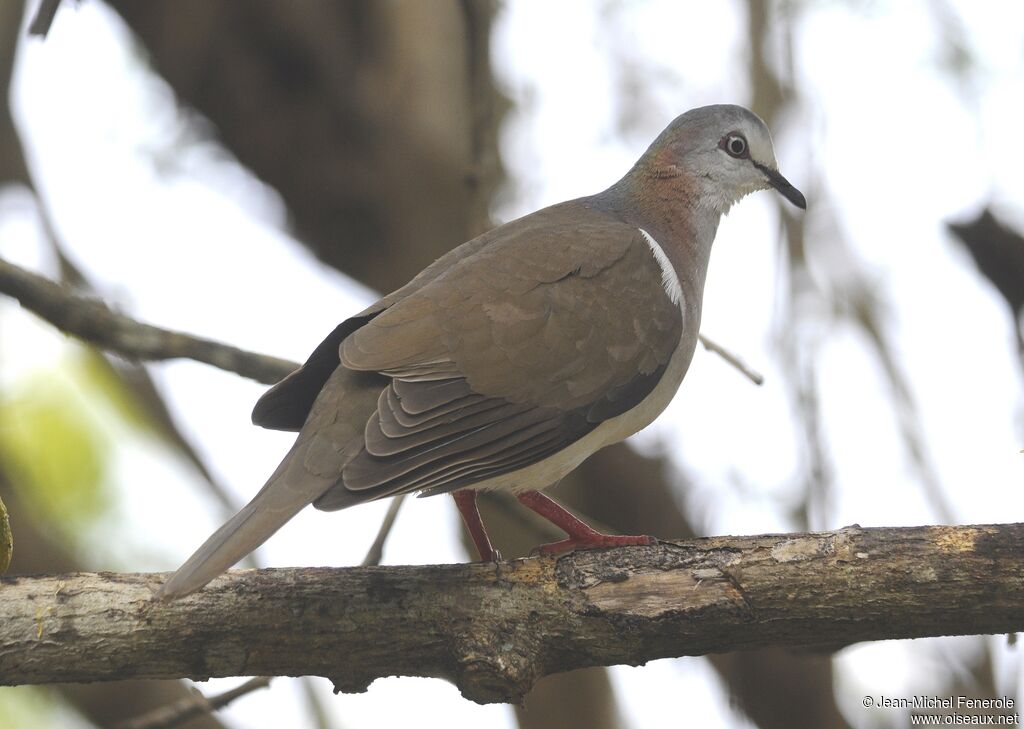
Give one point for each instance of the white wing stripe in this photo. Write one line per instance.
(669, 280)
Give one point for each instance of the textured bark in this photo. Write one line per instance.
(103, 704)
(765, 684)
(494, 630)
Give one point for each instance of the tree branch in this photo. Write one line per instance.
(744, 369)
(192, 706)
(43, 18)
(376, 551)
(495, 629)
(93, 321)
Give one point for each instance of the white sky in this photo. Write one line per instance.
(896, 148)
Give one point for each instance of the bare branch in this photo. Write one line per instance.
(192, 706)
(495, 629)
(43, 18)
(376, 551)
(751, 374)
(93, 321)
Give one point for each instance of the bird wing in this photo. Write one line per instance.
(509, 356)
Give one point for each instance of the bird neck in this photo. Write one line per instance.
(670, 206)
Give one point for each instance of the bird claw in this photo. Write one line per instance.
(594, 541)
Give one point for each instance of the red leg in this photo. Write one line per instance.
(581, 536)
(466, 501)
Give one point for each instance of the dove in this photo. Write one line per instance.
(510, 359)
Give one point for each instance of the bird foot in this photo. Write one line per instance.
(466, 501)
(494, 557)
(596, 540)
(581, 536)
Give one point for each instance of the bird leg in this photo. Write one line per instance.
(466, 501)
(581, 536)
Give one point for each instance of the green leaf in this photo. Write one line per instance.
(101, 379)
(26, 706)
(53, 442)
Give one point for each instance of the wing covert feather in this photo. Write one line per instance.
(557, 319)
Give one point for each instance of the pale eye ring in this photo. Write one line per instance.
(735, 145)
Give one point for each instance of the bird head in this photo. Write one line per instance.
(726, 150)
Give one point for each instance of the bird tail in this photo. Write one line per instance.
(332, 434)
(286, 493)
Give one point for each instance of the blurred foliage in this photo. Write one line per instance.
(6, 540)
(54, 440)
(104, 382)
(26, 706)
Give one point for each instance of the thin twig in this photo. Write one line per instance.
(376, 550)
(192, 706)
(6, 540)
(753, 375)
(93, 321)
(43, 18)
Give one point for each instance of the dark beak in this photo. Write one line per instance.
(781, 184)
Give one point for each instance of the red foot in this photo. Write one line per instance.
(596, 541)
(581, 536)
(466, 501)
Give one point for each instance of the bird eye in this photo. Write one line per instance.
(735, 145)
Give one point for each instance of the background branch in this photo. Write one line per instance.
(494, 630)
(192, 706)
(746, 370)
(376, 551)
(43, 18)
(93, 321)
